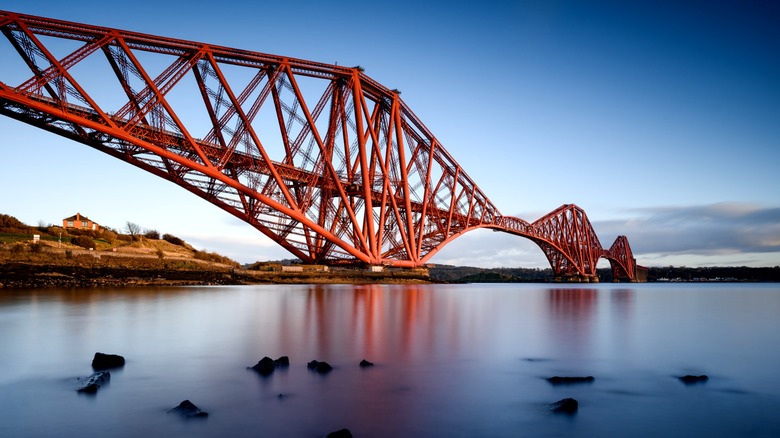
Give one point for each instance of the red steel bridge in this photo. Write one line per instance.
(325, 161)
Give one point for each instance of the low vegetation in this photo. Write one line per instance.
(173, 239)
(83, 241)
(11, 224)
(152, 234)
(214, 257)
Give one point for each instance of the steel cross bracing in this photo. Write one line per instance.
(322, 159)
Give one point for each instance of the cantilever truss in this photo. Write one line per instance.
(322, 159)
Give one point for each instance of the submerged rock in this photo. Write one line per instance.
(558, 380)
(364, 363)
(343, 433)
(103, 361)
(692, 380)
(187, 409)
(266, 365)
(94, 382)
(320, 367)
(565, 406)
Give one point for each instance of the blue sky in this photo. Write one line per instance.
(660, 119)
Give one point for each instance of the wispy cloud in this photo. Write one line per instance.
(723, 228)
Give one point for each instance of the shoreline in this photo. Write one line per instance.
(26, 275)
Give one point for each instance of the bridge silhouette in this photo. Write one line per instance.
(325, 161)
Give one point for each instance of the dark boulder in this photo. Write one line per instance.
(558, 380)
(103, 361)
(91, 388)
(187, 409)
(266, 365)
(92, 383)
(692, 380)
(565, 406)
(364, 363)
(343, 433)
(320, 367)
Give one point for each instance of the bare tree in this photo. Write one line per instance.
(133, 229)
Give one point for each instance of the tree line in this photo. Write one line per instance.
(466, 274)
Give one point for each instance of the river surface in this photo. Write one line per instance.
(450, 360)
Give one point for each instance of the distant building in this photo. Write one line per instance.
(80, 222)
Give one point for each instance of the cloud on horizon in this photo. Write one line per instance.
(714, 229)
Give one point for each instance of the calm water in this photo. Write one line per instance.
(465, 360)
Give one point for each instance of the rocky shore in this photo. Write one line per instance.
(21, 275)
(25, 275)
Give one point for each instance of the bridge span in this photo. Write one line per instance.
(325, 161)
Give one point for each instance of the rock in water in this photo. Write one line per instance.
(103, 361)
(364, 363)
(89, 389)
(266, 365)
(565, 406)
(94, 382)
(691, 380)
(320, 367)
(558, 380)
(187, 409)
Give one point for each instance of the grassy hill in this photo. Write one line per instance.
(71, 257)
(17, 243)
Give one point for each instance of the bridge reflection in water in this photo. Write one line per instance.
(417, 320)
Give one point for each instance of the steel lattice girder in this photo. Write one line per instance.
(622, 259)
(573, 247)
(322, 159)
